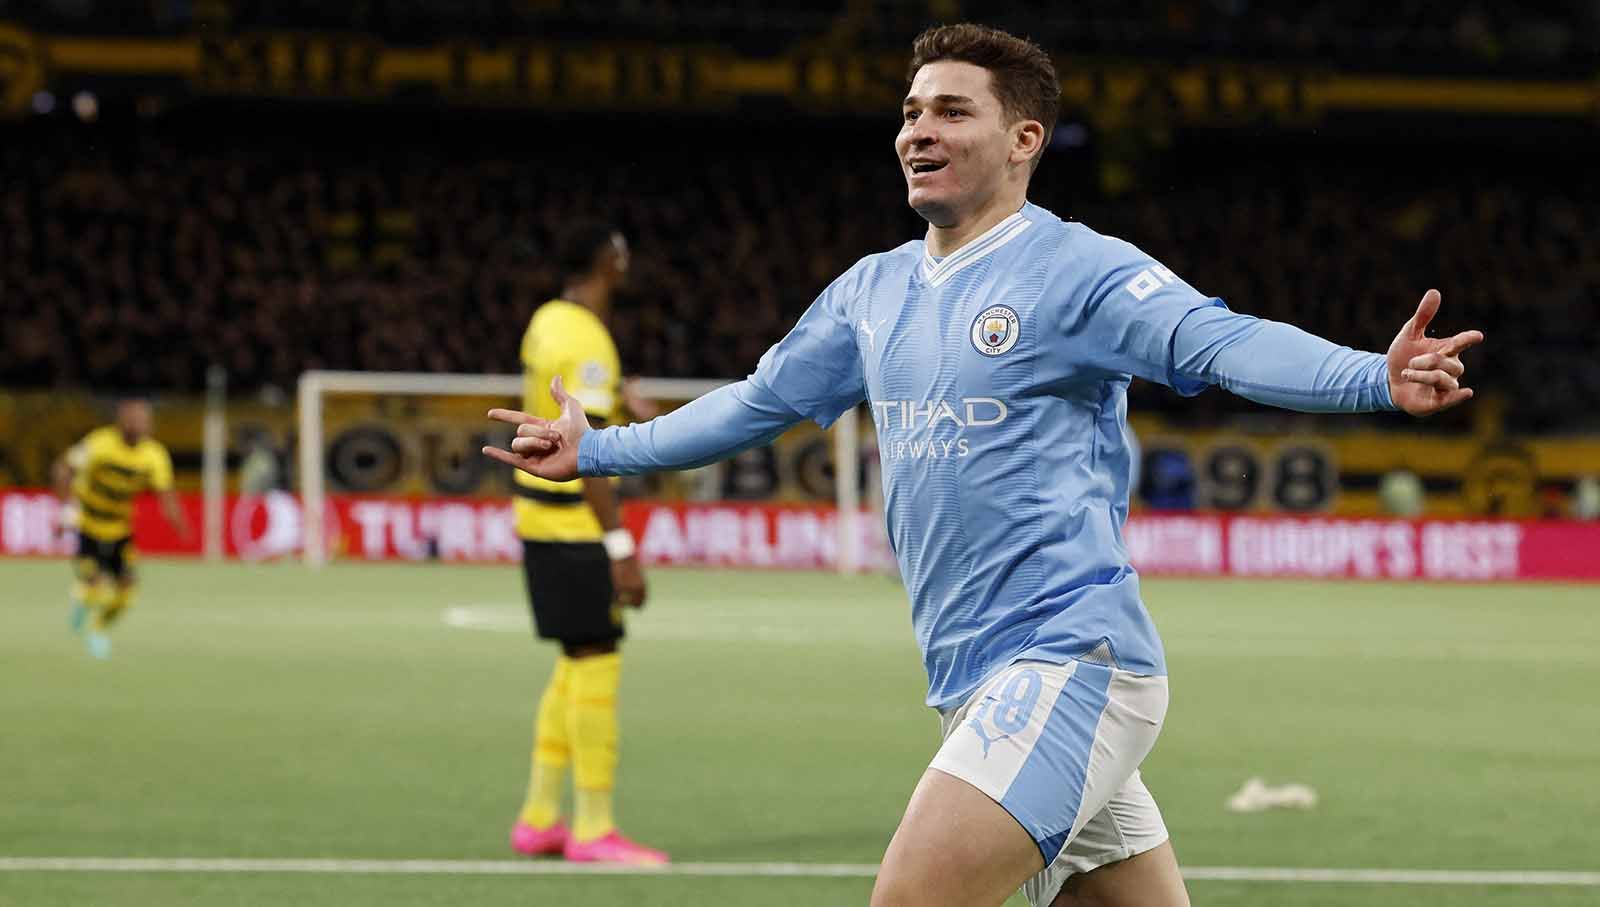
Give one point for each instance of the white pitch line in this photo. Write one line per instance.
(792, 870)
(1393, 876)
(426, 867)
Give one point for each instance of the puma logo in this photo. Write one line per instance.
(871, 330)
(988, 741)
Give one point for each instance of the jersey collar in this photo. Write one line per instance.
(937, 272)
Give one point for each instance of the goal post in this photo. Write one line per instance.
(316, 386)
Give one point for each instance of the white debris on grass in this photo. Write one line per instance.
(1257, 796)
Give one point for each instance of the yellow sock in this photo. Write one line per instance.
(592, 727)
(551, 751)
(594, 814)
(103, 600)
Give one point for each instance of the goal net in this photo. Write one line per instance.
(388, 467)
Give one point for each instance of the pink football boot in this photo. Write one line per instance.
(612, 847)
(536, 842)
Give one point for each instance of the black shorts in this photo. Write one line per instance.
(96, 556)
(570, 592)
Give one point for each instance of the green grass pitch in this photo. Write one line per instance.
(272, 711)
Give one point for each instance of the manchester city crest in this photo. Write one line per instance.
(995, 330)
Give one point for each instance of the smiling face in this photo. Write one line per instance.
(957, 151)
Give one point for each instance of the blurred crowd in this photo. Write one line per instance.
(1360, 34)
(142, 263)
(139, 260)
(1346, 251)
(1541, 34)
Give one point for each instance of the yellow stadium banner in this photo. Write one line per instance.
(1352, 473)
(421, 445)
(631, 76)
(379, 444)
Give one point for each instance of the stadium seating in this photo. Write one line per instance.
(321, 247)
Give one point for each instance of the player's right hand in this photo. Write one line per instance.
(628, 580)
(544, 448)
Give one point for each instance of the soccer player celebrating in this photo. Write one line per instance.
(996, 355)
(99, 477)
(579, 564)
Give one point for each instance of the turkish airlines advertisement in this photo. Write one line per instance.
(480, 530)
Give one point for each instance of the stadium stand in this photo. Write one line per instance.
(1550, 35)
(377, 248)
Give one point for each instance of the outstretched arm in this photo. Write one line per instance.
(714, 427)
(813, 373)
(1138, 318)
(1281, 365)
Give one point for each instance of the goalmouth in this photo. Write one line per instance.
(317, 385)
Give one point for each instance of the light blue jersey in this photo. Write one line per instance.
(997, 379)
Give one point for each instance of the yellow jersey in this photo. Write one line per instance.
(565, 339)
(108, 473)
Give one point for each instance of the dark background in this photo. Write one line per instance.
(141, 246)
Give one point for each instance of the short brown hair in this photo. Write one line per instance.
(1022, 74)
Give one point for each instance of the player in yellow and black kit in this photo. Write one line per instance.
(580, 565)
(101, 475)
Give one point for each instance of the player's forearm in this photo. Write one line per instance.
(714, 427)
(1278, 364)
(174, 513)
(602, 498)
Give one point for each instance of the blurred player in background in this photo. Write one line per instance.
(99, 477)
(580, 565)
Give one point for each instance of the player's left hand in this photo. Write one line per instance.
(1425, 372)
(628, 580)
(544, 448)
(67, 519)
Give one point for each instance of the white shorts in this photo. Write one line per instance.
(1059, 747)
